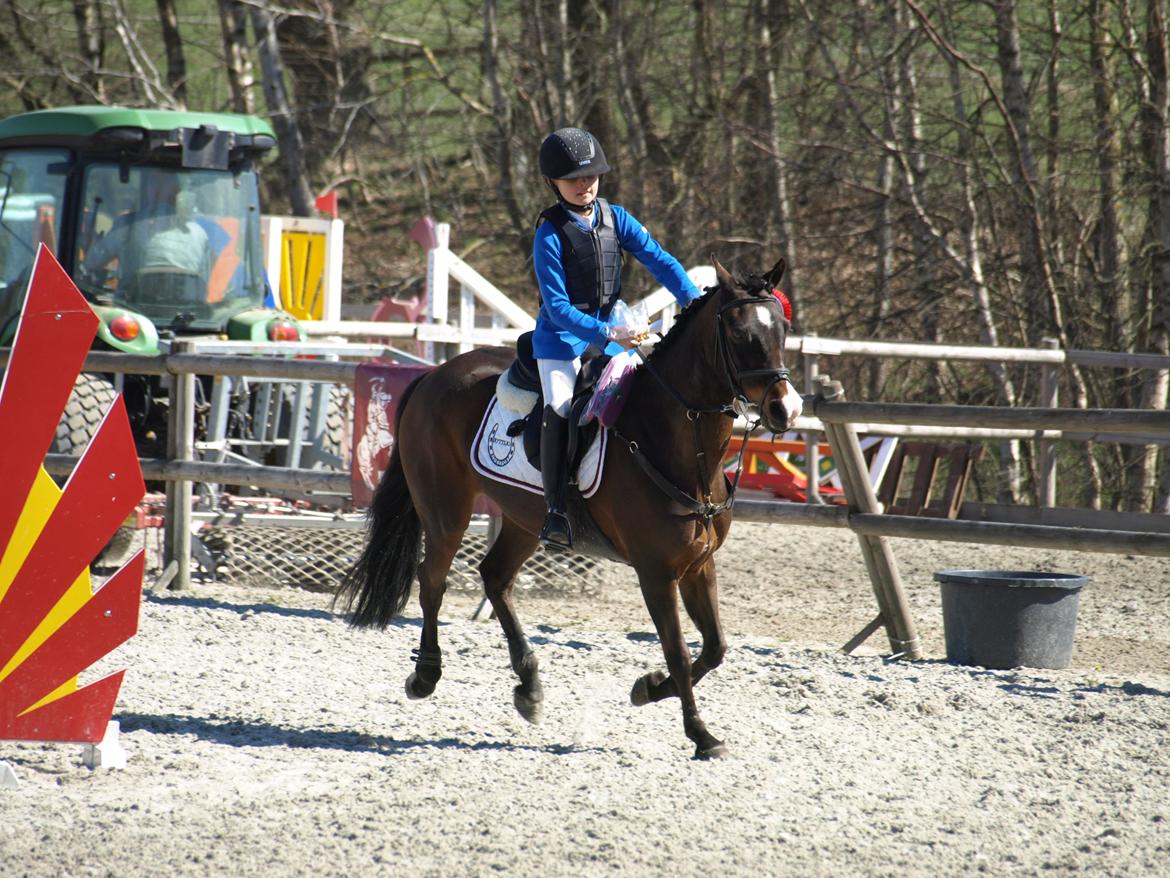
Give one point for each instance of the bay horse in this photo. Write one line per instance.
(664, 503)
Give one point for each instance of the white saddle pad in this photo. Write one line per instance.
(501, 457)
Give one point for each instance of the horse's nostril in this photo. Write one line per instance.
(776, 412)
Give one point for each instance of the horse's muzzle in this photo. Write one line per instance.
(782, 406)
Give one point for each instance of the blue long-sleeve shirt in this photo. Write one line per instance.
(564, 332)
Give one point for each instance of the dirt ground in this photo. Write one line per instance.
(266, 737)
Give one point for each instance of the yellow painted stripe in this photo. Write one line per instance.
(66, 688)
(42, 500)
(302, 274)
(38, 507)
(74, 599)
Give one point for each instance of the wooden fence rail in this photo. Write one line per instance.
(828, 405)
(864, 516)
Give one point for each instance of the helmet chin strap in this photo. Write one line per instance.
(584, 210)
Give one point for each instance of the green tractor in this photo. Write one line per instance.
(155, 215)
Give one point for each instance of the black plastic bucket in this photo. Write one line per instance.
(1008, 619)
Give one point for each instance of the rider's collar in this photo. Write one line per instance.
(585, 214)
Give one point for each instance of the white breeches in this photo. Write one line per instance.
(557, 380)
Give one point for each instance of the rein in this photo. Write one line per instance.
(739, 405)
(704, 508)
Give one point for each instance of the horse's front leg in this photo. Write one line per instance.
(512, 547)
(701, 599)
(659, 594)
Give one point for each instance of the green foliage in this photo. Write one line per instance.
(881, 147)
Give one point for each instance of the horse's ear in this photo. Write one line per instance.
(725, 278)
(777, 272)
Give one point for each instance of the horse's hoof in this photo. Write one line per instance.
(640, 694)
(717, 750)
(416, 689)
(532, 709)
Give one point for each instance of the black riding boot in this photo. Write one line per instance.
(554, 473)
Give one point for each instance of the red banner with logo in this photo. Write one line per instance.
(377, 389)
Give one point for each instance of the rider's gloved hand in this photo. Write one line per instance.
(624, 336)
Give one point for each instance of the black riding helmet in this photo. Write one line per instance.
(569, 153)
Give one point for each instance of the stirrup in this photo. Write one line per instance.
(556, 533)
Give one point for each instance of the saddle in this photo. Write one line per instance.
(524, 375)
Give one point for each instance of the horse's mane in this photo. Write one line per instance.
(752, 283)
(681, 320)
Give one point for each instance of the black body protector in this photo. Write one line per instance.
(592, 259)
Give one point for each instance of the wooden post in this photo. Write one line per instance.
(466, 318)
(812, 455)
(180, 447)
(438, 276)
(1045, 450)
(879, 558)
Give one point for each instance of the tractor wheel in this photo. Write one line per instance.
(336, 439)
(91, 399)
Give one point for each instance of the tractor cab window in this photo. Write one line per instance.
(32, 186)
(180, 246)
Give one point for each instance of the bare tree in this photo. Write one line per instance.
(288, 132)
(168, 18)
(1152, 63)
(777, 208)
(91, 44)
(233, 21)
(503, 121)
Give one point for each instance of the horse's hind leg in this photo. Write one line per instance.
(513, 546)
(444, 534)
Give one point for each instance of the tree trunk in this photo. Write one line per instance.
(905, 87)
(537, 82)
(1109, 283)
(502, 117)
(1034, 257)
(883, 262)
(1053, 164)
(91, 44)
(233, 20)
(969, 256)
(567, 109)
(1155, 141)
(776, 208)
(288, 133)
(176, 60)
(625, 69)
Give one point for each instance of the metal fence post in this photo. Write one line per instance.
(1045, 448)
(180, 447)
(810, 365)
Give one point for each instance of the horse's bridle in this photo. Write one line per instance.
(735, 375)
(740, 405)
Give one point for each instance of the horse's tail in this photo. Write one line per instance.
(377, 586)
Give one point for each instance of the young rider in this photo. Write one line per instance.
(577, 257)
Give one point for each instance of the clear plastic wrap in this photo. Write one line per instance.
(612, 389)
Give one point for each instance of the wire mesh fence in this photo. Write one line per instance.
(316, 558)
